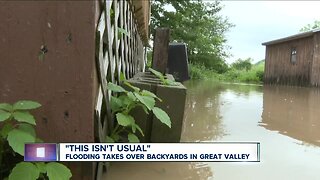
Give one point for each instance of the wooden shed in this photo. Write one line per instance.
(294, 60)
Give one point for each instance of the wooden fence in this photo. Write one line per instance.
(120, 39)
(62, 54)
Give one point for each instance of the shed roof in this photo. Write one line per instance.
(293, 37)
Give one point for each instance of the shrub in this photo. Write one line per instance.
(197, 71)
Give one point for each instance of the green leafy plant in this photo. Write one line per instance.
(121, 32)
(122, 105)
(164, 80)
(33, 171)
(17, 128)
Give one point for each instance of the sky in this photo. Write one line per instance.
(261, 21)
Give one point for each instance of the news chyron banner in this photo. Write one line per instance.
(175, 152)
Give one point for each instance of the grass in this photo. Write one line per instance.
(254, 75)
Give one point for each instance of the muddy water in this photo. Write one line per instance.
(285, 120)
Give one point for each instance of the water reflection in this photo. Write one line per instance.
(159, 171)
(204, 114)
(248, 113)
(202, 117)
(285, 120)
(292, 111)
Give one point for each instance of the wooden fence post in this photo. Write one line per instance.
(160, 49)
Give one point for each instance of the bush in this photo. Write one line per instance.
(231, 75)
(248, 76)
(254, 75)
(197, 71)
(241, 64)
(260, 75)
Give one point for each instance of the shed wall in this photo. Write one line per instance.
(280, 70)
(315, 71)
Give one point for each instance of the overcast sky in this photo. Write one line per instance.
(260, 21)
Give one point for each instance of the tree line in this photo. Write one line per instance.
(199, 25)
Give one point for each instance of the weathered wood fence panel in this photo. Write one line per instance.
(62, 54)
(62, 77)
(119, 50)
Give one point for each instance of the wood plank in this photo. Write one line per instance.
(116, 40)
(102, 80)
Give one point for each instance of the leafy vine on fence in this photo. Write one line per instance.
(123, 102)
(17, 129)
(164, 80)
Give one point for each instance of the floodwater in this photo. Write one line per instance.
(285, 120)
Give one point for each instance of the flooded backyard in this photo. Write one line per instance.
(285, 120)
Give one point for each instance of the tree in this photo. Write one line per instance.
(308, 27)
(242, 64)
(197, 24)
